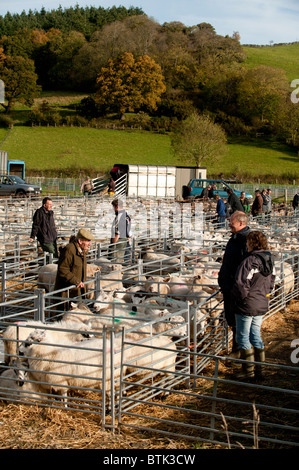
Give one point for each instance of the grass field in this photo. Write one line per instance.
(73, 150)
(96, 150)
(285, 57)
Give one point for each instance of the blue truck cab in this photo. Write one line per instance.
(195, 188)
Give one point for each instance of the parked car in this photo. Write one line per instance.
(195, 188)
(12, 185)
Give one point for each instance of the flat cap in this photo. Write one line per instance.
(84, 233)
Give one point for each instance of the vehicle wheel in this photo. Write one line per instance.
(20, 194)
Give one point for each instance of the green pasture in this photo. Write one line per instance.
(73, 150)
(285, 57)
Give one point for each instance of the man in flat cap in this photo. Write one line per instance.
(72, 265)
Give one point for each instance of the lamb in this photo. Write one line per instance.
(19, 331)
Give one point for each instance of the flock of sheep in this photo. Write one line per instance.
(160, 303)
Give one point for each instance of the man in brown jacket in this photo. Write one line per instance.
(257, 206)
(72, 265)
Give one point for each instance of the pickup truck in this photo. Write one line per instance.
(195, 188)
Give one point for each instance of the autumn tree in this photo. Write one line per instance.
(128, 84)
(260, 92)
(199, 140)
(20, 79)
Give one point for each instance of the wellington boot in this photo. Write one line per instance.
(247, 371)
(259, 356)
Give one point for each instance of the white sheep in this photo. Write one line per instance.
(46, 276)
(69, 366)
(11, 390)
(156, 285)
(81, 364)
(19, 331)
(79, 312)
(284, 276)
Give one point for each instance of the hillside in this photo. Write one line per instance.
(70, 150)
(285, 57)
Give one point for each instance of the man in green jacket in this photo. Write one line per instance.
(72, 265)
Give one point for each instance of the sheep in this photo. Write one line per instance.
(19, 331)
(158, 321)
(79, 313)
(81, 364)
(142, 357)
(103, 301)
(69, 366)
(46, 276)
(112, 280)
(11, 389)
(156, 285)
(284, 276)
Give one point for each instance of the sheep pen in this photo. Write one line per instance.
(31, 427)
(160, 408)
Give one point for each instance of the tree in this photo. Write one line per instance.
(199, 140)
(261, 91)
(128, 84)
(20, 79)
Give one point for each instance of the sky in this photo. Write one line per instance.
(258, 22)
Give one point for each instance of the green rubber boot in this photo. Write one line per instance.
(259, 356)
(247, 371)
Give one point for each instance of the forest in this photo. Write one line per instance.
(166, 72)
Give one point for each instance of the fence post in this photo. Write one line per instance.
(213, 411)
(3, 286)
(39, 305)
(140, 269)
(97, 284)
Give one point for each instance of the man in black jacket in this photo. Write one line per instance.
(43, 228)
(235, 252)
(234, 201)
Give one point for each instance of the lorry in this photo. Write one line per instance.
(196, 186)
(153, 180)
(11, 167)
(12, 176)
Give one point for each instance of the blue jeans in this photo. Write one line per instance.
(248, 331)
(221, 221)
